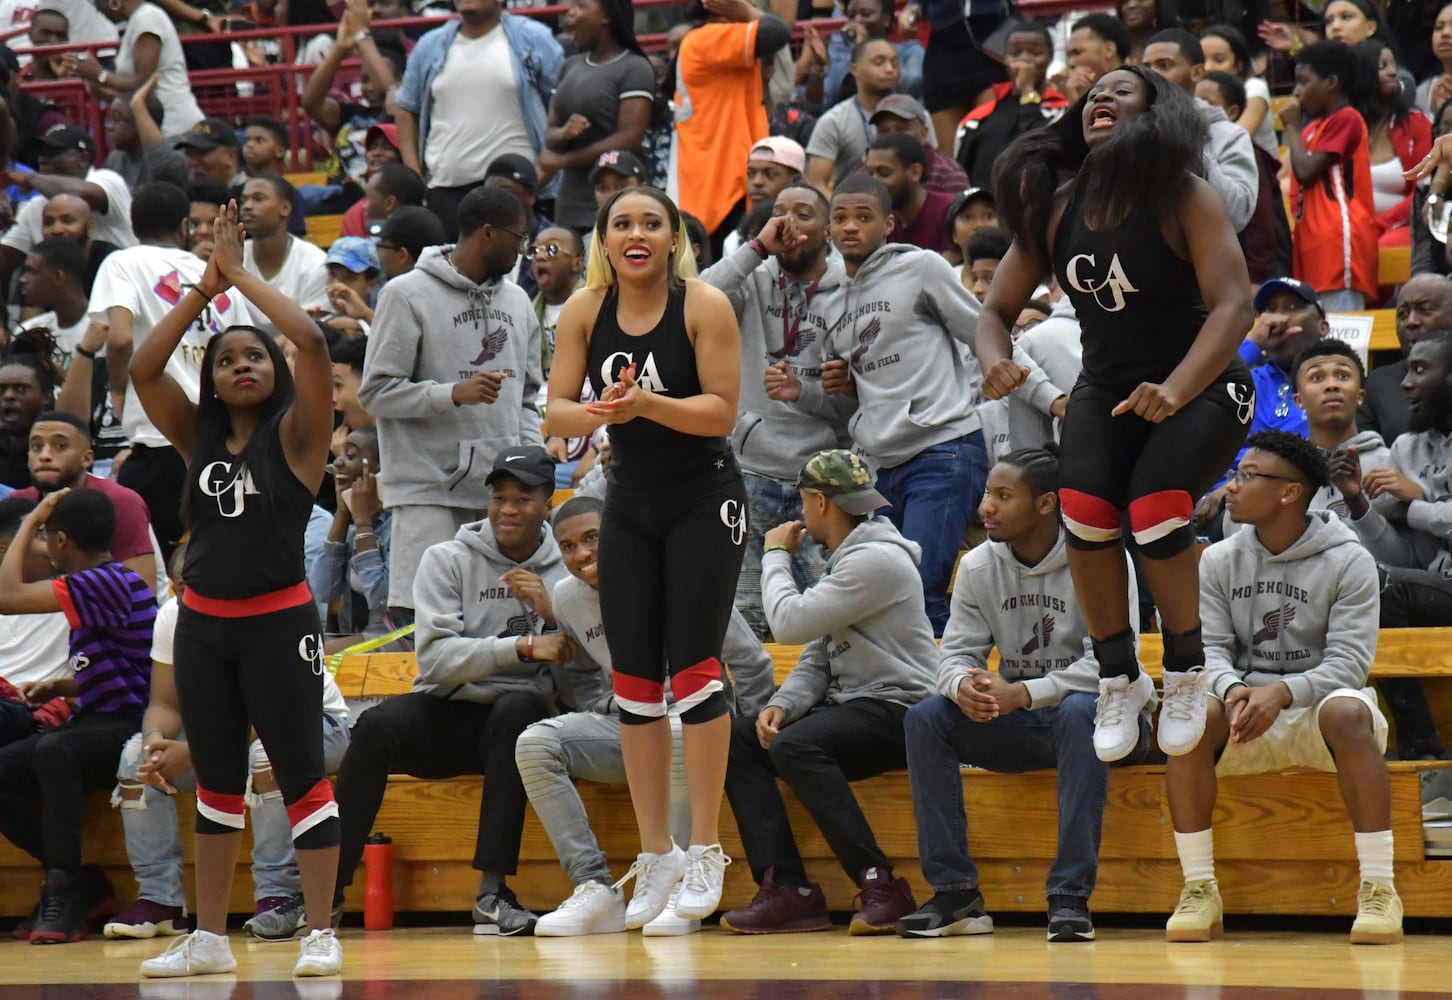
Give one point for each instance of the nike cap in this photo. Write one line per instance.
(531, 465)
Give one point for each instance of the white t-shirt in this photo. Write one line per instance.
(112, 226)
(303, 277)
(163, 636)
(476, 116)
(34, 647)
(1265, 133)
(87, 24)
(173, 86)
(147, 281)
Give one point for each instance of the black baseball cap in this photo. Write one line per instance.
(618, 161)
(63, 136)
(530, 464)
(207, 135)
(517, 168)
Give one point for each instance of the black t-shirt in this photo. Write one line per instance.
(98, 252)
(14, 463)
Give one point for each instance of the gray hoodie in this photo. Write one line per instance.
(577, 609)
(1307, 617)
(435, 327)
(920, 385)
(774, 438)
(468, 620)
(1230, 165)
(1031, 614)
(863, 624)
(1055, 346)
(1425, 457)
(1373, 453)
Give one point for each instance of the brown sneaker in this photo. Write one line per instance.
(885, 901)
(780, 909)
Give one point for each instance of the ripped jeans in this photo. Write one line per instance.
(153, 835)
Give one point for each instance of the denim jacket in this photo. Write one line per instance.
(328, 577)
(537, 59)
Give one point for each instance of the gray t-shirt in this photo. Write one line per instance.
(842, 135)
(594, 91)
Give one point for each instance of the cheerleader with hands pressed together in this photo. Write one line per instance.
(248, 648)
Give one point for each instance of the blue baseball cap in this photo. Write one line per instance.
(1299, 289)
(356, 253)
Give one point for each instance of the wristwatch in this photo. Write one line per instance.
(1030, 97)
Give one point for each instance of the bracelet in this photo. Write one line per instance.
(776, 548)
(158, 732)
(529, 647)
(759, 247)
(204, 295)
(101, 77)
(84, 353)
(360, 535)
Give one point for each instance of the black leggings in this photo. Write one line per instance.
(1155, 472)
(264, 671)
(670, 556)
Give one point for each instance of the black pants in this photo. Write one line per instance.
(159, 475)
(430, 737)
(444, 202)
(44, 779)
(262, 672)
(1413, 598)
(816, 756)
(670, 557)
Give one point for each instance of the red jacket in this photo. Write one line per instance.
(1411, 137)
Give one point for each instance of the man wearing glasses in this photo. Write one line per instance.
(1289, 614)
(555, 261)
(452, 376)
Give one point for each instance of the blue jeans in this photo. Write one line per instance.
(933, 494)
(770, 503)
(153, 838)
(940, 738)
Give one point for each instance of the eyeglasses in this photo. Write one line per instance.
(523, 238)
(550, 250)
(388, 246)
(1243, 476)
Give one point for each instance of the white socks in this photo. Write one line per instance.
(1374, 852)
(1197, 854)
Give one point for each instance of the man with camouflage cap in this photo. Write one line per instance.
(838, 717)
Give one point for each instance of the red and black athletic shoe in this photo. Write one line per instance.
(62, 918)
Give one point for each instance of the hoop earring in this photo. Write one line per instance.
(113, 5)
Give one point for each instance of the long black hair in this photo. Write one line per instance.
(1138, 172)
(620, 19)
(1368, 99)
(213, 422)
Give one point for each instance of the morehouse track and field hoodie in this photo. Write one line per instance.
(775, 438)
(435, 327)
(468, 619)
(920, 385)
(863, 624)
(1307, 617)
(1031, 614)
(577, 609)
(1426, 458)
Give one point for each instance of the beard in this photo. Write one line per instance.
(1434, 414)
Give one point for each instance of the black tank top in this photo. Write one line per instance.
(665, 363)
(1139, 303)
(244, 544)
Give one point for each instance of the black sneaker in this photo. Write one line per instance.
(62, 918)
(1069, 919)
(500, 913)
(947, 914)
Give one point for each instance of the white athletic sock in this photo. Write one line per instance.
(1197, 855)
(1374, 853)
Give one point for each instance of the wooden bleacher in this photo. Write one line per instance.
(1283, 842)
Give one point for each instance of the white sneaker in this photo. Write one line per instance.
(1182, 713)
(1116, 722)
(196, 954)
(701, 885)
(668, 924)
(655, 876)
(593, 908)
(320, 954)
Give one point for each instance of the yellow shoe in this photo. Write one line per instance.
(1200, 915)
(1378, 915)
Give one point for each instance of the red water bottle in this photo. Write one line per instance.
(378, 895)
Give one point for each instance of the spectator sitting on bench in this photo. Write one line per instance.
(838, 716)
(352, 568)
(1329, 388)
(1289, 616)
(1036, 712)
(1409, 541)
(586, 743)
(44, 778)
(1424, 305)
(157, 763)
(487, 650)
(33, 647)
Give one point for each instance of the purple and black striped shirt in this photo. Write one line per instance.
(110, 610)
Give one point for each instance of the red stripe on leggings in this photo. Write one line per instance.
(226, 810)
(696, 683)
(640, 690)
(314, 807)
(1155, 515)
